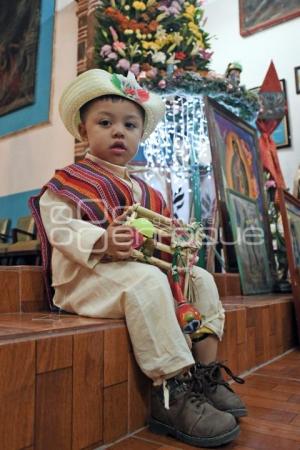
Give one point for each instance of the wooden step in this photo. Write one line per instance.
(73, 383)
(257, 328)
(22, 289)
(67, 382)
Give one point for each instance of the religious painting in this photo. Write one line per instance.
(290, 214)
(26, 63)
(256, 15)
(19, 35)
(281, 135)
(236, 165)
(249, 243)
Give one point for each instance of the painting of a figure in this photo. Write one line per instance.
(256, 15)
(235, 155)
(236, 166)
(249, 244)
(290, 214)
(19, 33)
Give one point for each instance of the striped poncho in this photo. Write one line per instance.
(100, 197)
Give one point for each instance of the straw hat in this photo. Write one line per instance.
(96, 83)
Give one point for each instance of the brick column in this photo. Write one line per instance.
(85, 47)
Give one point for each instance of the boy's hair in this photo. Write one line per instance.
(114, 98)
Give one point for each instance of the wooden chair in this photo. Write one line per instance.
(25, 248)
(4, 239)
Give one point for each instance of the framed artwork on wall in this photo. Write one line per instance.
(19, 32)
(25, 79)
(237, 167)
(290, 213)
(281, 135)
(249, 243)
(256, 15)
(297, 79)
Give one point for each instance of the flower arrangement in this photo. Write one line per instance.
(151, 38)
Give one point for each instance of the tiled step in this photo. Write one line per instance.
(65, 375)
(22, 289)
(257, 328)
(67, 382)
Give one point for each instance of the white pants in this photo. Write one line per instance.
(141, 294)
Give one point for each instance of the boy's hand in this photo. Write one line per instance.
(118, 239)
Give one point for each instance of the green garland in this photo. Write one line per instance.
(236, 98)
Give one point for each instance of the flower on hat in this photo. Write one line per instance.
(130, 87)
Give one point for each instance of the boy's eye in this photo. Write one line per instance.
(130, 125)
(104, 123)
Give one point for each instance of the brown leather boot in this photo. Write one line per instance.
(209, 381)
(190, 418)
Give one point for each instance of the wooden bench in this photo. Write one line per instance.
(70, 382)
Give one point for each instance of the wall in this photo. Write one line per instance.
(29, 158)
(279, 43)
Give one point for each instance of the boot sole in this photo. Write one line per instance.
(161, 428)
(237, 412)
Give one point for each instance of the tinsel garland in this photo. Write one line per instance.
(235, 97)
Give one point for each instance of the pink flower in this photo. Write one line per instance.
(135, 69)
(270, 184)
(142, 75)
(117, 45)
(105, 50)
(174, 8)
(162, 84)
(111, 55)
(114, 34)
(123, 64)
(205, 54)
(152, 73)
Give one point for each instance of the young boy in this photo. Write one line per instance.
(81, 211)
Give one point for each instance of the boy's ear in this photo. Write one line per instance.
(82, 131)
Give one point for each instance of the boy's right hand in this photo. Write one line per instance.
(118, 239)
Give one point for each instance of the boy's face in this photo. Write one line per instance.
(113, 130)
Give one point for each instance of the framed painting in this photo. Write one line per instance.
(19, 25)
(256, 15)
(236, 165)
(281, 135)
(25, 77)
(290, 213)
(248, 237)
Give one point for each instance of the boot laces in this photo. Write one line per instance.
(212, 376)
(187, 386)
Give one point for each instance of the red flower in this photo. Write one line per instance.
(139, 95)
(143, 95)
(180, 55)
(129, 91)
